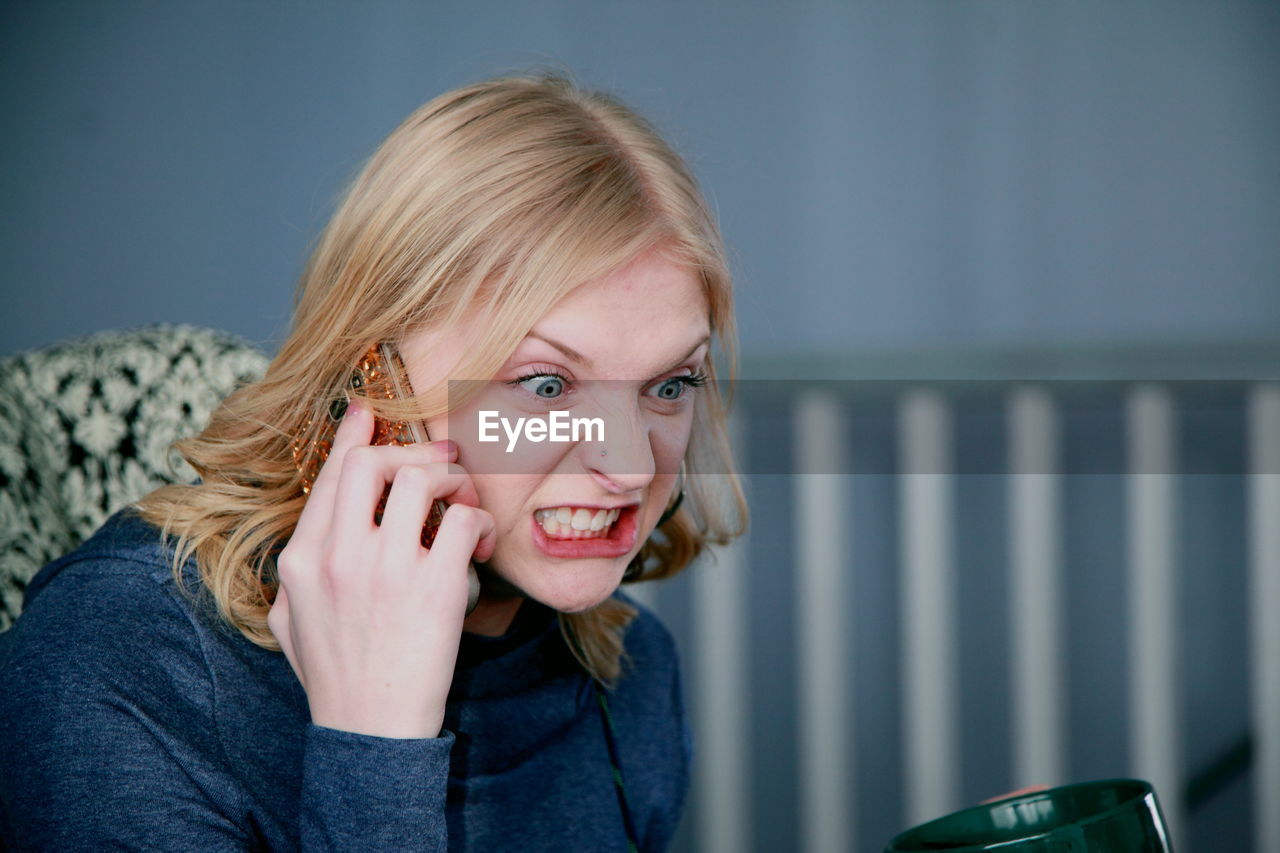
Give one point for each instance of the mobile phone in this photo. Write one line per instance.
(380, 373)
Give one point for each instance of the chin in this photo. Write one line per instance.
(573, 590)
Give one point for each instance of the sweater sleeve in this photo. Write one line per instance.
(353, 798)
(109, 739)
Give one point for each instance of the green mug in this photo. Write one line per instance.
(1100, 817)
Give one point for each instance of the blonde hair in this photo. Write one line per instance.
(503, 196)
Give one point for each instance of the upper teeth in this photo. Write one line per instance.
(579, 518)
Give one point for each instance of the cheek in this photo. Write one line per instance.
(493, 451)
(503, 496)
(669, 440)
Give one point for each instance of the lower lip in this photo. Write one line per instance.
(621, 538)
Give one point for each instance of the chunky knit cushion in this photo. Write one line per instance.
(86, 427)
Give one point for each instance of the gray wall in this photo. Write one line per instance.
(898, 174)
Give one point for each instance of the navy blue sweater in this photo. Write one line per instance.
(130, 716)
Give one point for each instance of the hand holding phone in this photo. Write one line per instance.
(368, 617)
(380, 373)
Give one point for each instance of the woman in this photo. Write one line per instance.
(256, 660)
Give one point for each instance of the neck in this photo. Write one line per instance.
(493, 614)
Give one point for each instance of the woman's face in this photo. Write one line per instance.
(628, 350)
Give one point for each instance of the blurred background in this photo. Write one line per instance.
(1077, 203)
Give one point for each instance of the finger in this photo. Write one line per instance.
(359, 472)
(355, 430)
(465, 532)
(367, 472)
(408, 506)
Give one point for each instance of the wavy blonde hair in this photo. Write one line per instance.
(501, 196)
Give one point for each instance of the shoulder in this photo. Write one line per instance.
(125, 547)
(651, 659)
(107, 667)
(107, 617)
(123, 571)
(646, 634)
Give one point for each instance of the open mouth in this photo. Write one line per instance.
(567, 522)
(576, 531)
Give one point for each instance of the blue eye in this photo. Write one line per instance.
(545, 386)
(674, 388)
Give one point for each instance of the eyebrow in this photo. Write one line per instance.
(574, 355)
(569, 351)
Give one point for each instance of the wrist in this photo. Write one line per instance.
(399, 726)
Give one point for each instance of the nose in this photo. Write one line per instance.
(623, 460)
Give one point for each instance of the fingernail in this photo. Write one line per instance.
(353, 407)
(450, 447)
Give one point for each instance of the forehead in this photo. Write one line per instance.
(636, 319)
(652, 301)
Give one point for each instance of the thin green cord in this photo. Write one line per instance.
(610, 737)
